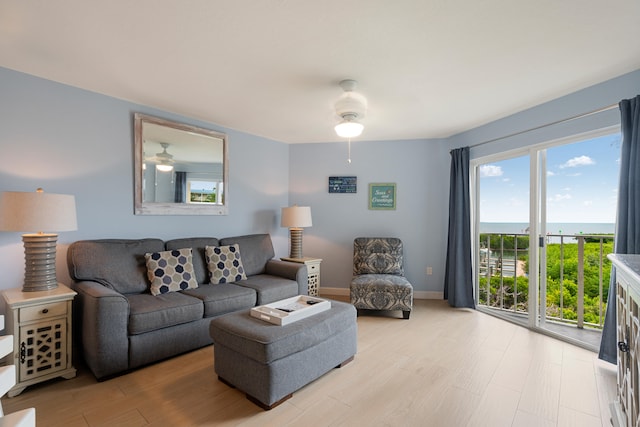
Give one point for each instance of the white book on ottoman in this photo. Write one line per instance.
(290, 310)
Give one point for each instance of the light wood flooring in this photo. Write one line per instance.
(443, 367)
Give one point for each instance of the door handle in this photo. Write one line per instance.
(623, 347)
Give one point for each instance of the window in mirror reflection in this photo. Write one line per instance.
(204, 192)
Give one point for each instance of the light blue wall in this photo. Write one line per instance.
(420, 169)
(72, 141)
(593, 98)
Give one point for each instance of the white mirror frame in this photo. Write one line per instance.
(151, 208)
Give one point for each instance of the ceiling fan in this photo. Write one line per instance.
(351, 107)
(164, 161)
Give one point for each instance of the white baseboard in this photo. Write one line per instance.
(428, 295)
(416, 294)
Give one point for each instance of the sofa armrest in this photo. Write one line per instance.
(290, 270)
(103, 320)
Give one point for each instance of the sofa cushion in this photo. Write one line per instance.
(270, 288)
(118, 264)
(197, 244)
(223, 298)
(256, 250)
(170, 271)
(225, 264)
(148, 313)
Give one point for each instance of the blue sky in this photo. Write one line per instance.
(582, 184)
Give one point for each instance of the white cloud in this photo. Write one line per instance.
(550, 173)
(515, 202)
(578, 161)
(559, 197)
(490, 170)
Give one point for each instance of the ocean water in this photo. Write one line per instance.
(567, 228)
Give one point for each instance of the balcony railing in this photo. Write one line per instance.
(576, 270)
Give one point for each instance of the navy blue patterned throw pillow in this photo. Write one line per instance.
(224, 264)
(170, 271)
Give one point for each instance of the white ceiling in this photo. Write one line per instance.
(429, 68)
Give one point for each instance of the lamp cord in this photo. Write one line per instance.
(349, 152)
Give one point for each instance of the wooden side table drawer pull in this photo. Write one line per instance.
(43, 311)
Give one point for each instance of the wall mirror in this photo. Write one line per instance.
(179, 169)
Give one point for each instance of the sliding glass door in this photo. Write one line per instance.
(503, 242)
(544, 223)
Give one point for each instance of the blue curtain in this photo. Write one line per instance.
(180, 193)
(628, 221)
(458, 279)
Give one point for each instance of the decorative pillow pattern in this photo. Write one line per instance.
(170, 271)
(225, 264)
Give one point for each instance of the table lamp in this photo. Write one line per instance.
(296, 218)
(38, 213)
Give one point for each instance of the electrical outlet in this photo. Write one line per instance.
(429, 271)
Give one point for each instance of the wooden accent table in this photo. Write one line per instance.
(40, 323)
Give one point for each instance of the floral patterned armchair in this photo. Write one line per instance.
(378, 276)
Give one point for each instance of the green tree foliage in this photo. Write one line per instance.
(562, 277)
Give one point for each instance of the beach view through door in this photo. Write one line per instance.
(503, 240)
(580, 208)
(574, 209)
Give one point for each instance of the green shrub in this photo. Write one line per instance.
(506, 292)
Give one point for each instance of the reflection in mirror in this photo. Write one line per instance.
(179, 169)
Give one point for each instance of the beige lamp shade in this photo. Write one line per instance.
(40, 214)
(296, 218)
(37, 212)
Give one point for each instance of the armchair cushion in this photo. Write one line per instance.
(377, 255)
(381, 292)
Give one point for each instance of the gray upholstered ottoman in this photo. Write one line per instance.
(269, 362)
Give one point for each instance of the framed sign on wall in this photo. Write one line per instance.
(343, 184)
(382, 196)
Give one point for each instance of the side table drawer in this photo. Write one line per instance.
(313, 268)
(43, 311)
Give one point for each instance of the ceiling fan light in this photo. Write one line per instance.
(163, 167)
(349, 129)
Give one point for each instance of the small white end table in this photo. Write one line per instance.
(313, 273)
(40, 323)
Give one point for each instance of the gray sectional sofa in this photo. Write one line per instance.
(121, 325)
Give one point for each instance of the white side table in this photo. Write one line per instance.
(313, 272)
(41, 326)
